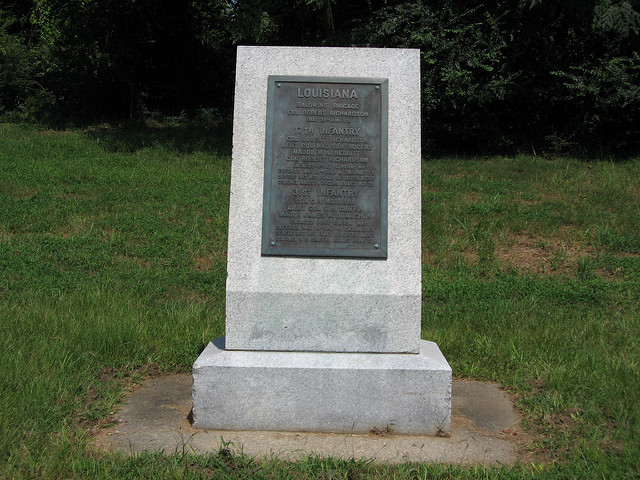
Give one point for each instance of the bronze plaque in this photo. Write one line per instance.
(325, 189)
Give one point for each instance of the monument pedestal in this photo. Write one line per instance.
(322, 392)
(324, 291)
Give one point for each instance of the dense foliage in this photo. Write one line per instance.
(497, 76)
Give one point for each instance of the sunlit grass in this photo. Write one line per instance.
(113, 261)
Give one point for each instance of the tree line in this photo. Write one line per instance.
(499, 76)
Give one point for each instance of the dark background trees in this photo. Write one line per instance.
(498, 76)
(118, 58)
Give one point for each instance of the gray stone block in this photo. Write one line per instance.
(329, 322)
(339, 305)
(322, 392)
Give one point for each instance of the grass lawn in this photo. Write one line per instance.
(113, 264)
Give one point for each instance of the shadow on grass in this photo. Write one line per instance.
(184, 137)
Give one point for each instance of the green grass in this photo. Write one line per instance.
(113, 262)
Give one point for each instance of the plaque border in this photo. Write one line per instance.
(326, 252)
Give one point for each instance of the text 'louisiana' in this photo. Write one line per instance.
(327, 93)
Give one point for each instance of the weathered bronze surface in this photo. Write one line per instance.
(325, 188)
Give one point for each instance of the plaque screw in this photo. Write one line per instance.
(278, 85)
(377, 88)
(273, 244)
(376, 246)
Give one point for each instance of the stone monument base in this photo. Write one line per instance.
(322, 392)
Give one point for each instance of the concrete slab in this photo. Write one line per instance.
(155, 415)
(322, 392)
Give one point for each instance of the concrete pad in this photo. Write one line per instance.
(322, 392)
(155, 417)
(489, 408)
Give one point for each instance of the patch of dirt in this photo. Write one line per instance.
(137, 260)
(376, 432)
(626, 255)
(546, 255)
(537, 385)
(535, 253)
(560, 254)
(527, 253)
(202, 264)
(206, 472)
(565, 420)
(471, 257)
(548, 195)
(23, 192)
(454, 176)
(151, 370)
(611, 275)
(471, 197)
(172, 216)
(65, 232)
